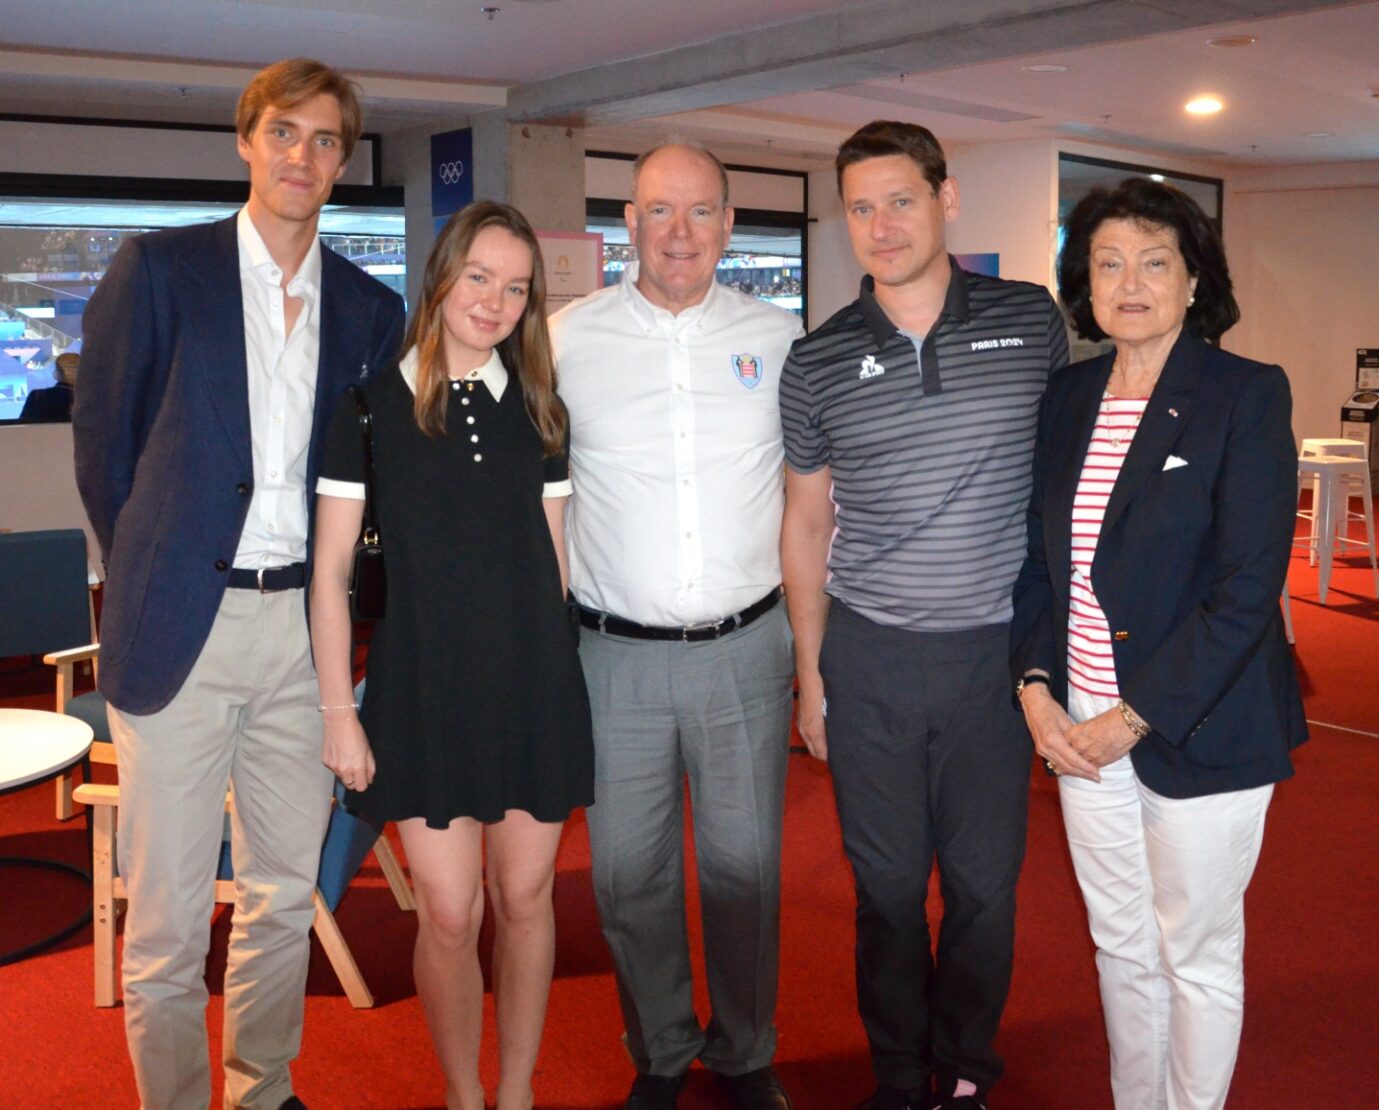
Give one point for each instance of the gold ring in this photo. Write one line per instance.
(1049, 764)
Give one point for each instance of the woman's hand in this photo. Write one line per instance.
(1051, 728)
(346, 750)
(1104, 738)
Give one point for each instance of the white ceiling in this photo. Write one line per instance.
(425, 61)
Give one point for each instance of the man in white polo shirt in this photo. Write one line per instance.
(671, 382)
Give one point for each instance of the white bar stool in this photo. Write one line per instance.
(1332, 478)
(1321, 446)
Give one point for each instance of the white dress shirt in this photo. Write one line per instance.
(675, 452)
(494, 376)
(282, 398)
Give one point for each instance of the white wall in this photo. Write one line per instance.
(141, 152)
(832, 270)
(1306, 268)
(40, 486)
(1008, 204)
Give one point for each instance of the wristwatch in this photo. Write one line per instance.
(1029, 680)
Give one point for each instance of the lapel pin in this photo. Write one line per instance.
(1172, 412)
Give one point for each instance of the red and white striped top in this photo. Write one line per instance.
(1091, 667)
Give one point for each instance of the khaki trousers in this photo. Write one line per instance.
(246, 717)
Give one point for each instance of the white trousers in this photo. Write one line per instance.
(1164, 881)
(245, 716)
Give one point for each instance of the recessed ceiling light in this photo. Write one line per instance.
(1203, 105)
(1046, 67)
(1320, 134)
(1231, 41)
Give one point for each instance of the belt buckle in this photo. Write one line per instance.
(707, 626)
(260, 580)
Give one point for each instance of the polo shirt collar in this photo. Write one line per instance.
(653, 316)
(492, 373)
(955, 304)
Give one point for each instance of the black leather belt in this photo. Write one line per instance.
(269, 580)
(618, 626)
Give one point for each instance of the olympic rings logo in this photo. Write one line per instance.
(450, 172)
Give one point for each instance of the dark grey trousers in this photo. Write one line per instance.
(718, 712)
(930, 761)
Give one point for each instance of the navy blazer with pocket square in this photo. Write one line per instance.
(162, 436)
(1189, 565)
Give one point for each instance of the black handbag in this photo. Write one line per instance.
(368, 578)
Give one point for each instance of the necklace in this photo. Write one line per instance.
(1122, 434)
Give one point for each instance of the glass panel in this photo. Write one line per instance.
(53, 252)
(766, 262)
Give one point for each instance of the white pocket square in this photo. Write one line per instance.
(1173, 462)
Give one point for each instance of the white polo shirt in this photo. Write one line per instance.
(282, 398)
(675, 452)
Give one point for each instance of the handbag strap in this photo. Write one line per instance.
(366, 427)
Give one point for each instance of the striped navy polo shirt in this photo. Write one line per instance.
(931, 471)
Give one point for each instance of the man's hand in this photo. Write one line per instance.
(809, 717)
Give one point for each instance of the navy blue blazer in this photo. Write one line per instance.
(1188, 568)
(162, 439)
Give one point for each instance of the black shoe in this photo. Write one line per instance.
(893, 1098)
(654, 1092)
(294, 1103)
(757, 1090)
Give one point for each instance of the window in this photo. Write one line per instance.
(53, 252)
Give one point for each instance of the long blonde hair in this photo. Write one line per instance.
(526, 352)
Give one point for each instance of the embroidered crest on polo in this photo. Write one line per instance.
(870, 368)
(748, 369)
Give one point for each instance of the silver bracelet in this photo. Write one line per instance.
(328, 708)
(1133, 721)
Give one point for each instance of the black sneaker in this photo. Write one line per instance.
(945, 1099)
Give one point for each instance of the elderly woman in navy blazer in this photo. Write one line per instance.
(1148, 648)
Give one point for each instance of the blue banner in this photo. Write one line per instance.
(452, 172)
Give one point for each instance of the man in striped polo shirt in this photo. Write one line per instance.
(909, 422)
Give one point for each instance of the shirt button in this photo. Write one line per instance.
(222, 565)
(463, 400)
(689, 535)
(469, 420)
(278, 419)
(272, 473)
(455, 386)
(473, 439)
(478, 458)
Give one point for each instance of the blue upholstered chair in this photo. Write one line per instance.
(45, 609)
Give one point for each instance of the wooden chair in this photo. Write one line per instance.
(348, 841)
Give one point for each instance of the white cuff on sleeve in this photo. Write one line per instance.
(558, 489)
(333, 487)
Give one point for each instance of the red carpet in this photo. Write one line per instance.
(1312, 1019)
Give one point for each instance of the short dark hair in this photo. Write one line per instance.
(287, 84)
(1150, 204)
(883, 137)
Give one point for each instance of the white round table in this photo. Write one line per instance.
(35, 745)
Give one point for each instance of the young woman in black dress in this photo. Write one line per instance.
(474, 728)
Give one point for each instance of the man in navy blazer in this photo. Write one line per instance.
(212, 361)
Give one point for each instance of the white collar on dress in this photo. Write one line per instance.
(492, 373)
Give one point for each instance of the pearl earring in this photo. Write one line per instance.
(1191, 299)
